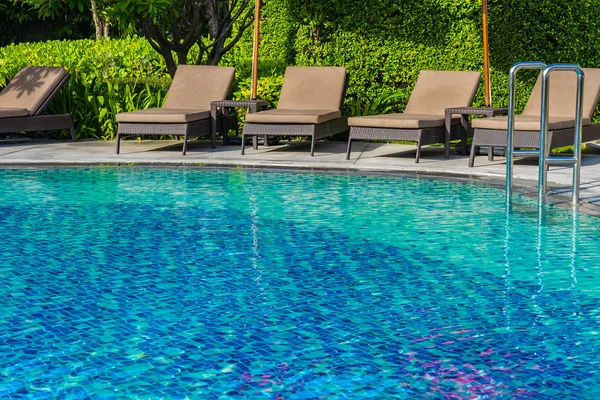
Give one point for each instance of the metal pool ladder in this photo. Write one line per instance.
(545, 159)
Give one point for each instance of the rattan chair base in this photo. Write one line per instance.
(188, 130)
(38, 123)
(314, 131)
(195, 129)
(420, 136)
(528, 139)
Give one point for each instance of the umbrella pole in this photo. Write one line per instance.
(254, 84)
(486, 58)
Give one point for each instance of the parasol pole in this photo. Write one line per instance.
(486, 57)
(254, 84)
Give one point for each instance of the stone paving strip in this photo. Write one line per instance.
(369, 157)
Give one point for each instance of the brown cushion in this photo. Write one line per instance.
(400, 121)
(194, 87)
(31, 87)
(563, 90)
(526, 123)
(437, 90)
(13, 112)
(313, 88)
(295, 116)
(163, 116)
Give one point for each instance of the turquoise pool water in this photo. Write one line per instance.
(131, 283)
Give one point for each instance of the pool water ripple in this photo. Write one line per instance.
(229, 284)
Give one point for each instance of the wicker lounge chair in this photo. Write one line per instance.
(186, 110)
(492, 132)
(25, 98)
(310, 105)
(423, 119)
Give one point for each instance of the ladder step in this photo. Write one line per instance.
(561, 160)
(526, 152)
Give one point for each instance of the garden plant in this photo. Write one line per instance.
(383, 46)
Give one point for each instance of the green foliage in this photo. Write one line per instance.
(381, 104)
(107, 77)
(15, 10)
(138, 9)
(384, 45)
(57, 8)
(268, 88)
(276, 44)
(22, 20)
(174, 27)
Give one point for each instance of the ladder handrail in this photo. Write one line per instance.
(511, 119)
(545, 160)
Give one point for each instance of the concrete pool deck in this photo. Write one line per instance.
(366, 156)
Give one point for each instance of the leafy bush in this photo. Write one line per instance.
(20, 22)
(381, 104)
(112, 76)
(268, 88)
(385, 45)
(107, 77)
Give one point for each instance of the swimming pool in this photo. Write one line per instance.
(228, 283)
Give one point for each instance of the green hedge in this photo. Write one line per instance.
(383, 45)
(107, 77)
(112, 76)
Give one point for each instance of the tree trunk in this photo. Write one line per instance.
(182, 56)
(170, 62)
(106, 30)
(97, 23)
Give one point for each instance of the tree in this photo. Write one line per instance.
(57, 20)
(100, 18)
(12, 14)
(174, 27)
(99, 9)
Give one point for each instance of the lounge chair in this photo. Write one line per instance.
(310, 104)
(186, 110)
(25, 98)
(492, 132)
(423, 118)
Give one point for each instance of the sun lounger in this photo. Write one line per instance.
(186, 110)
(492, 132)
(423, 119)
(25, 98)
(310, 104)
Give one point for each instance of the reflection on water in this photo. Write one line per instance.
(174, 283)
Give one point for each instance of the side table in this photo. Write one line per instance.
(464, 112)
(252, 105)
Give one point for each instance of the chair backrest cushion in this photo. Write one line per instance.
(31, 87)
(562, 94)
(196, 86)
(437, 90)
(313, 88)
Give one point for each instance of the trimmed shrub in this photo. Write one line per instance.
(383, 45)
(113, 76)
(107, 77)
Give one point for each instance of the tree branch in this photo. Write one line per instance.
(207, 23)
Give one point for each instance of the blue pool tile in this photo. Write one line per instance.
(224, 284)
